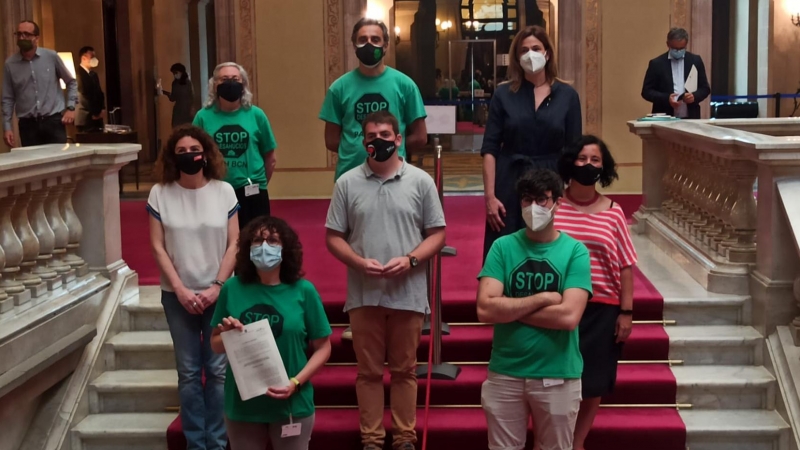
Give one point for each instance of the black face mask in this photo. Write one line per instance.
(380, 149)
(190, 163)
(586, 174)
(230, 90)
(369, 55)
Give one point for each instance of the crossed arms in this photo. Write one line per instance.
(544, 310)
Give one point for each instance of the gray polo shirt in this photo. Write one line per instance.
(384, 219)
(32, 87)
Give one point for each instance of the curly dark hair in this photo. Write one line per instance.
(291, 255)
(536, 182)
(165, 170)
(570, 155)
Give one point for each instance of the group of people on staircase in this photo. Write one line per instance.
(557, 280)
(556, 283)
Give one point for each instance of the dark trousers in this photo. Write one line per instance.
(42, 130)
(252, 206)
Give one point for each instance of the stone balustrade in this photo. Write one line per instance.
(699, 206)
(43, 247)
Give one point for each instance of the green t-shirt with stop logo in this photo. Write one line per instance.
(354, 96)
(527, 268)
(296, 317)
(244, 137)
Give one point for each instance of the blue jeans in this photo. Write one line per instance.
(201, 406)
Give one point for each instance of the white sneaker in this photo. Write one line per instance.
(347, 334)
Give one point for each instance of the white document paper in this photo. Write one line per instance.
(441, 119)
(691, 81)
(255, 360)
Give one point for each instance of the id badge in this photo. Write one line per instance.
(550, 382)
(250, 190)
(291, 430)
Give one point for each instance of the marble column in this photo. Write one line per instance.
(198, 27)
(100, 243)
(701, 42)
(171, 26)
(571, 46)
(225, 14)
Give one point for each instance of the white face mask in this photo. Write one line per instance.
(533, 62)
(178, 76)
(537, 217)
(94, 62)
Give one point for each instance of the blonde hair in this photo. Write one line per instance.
(247, 96)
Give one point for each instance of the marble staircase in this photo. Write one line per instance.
(726, 396)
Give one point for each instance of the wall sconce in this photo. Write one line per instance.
(796, 19)
(66, 58)
(396, 35)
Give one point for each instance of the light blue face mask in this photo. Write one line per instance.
(265, 256)
(677, 54)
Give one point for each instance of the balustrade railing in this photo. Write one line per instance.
(699, 205)
(43, 249)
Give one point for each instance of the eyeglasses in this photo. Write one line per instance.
(24, 35)
(541, 201)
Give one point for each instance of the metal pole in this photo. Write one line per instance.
(437, 269)
(436, 369)
(777, 104)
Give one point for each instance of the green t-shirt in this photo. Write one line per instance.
(244, 137)
(354, 96)
(526, 268)
(296, 316)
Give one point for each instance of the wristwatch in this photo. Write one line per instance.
(218, 283)
(413, 260)
(71, 108)
(626, 312)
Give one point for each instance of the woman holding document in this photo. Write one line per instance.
(269, 286)
(194, 226)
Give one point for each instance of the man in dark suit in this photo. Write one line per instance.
(666, 75)
(91, 100)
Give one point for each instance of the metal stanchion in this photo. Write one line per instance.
(434, 325)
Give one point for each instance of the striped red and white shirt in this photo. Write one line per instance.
(606, 236)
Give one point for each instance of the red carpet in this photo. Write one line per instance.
(461, 427)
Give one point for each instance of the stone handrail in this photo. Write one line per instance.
(59, 219)
(699, 205)
(789, 192)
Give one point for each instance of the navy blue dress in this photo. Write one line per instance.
(521, 138)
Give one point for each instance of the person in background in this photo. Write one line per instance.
(194, 227)
(534, 287)
(600, 224)
(182, 95)
(384, 221)
(91, 100)
(531, 119)
(269, 285)
(244, 137)
(666, 76)
(31, 88)
(371, 87)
